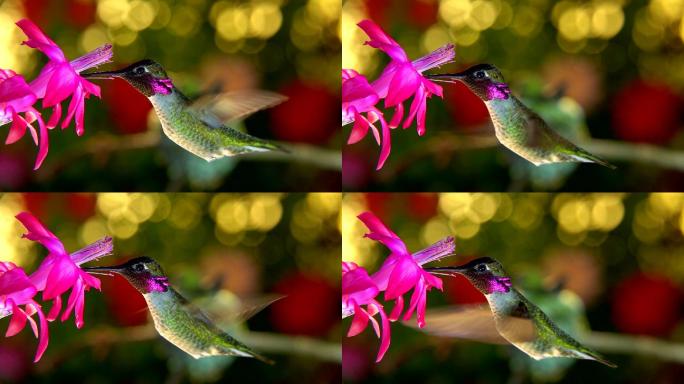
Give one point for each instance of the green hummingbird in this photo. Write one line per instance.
(516, 126)
(175, 318)
(516, 319)
(198, 126)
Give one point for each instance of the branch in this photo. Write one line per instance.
(634, 345)
(104, 144)
(104, 337)
(301, 153)
(446, 143)
(642, 153)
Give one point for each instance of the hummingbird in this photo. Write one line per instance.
(516, 126)
(516, 319)
(175, 318)
(197, 126)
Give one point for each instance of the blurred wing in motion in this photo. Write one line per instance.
(230, 107)
(471, 322)
(227, 308)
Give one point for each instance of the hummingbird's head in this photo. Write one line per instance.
(485, 273)
(147, 76)
(484, 80)
(144, 273)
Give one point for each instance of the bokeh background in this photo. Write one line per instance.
(611, 262)
(606, 73)
(291, 47)
(214, 248)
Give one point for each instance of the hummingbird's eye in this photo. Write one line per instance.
(138, 267)
(139, 70)
(479, 74)
(480, 267)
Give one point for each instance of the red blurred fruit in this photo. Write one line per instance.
(128, 108)
(80, 13)
(466, 108)
(80, 206)
(356, 172)
(36, 203)
(646, 112)
(377, 10)
(422, 13)
(380, 204)
(646, 304)
(15, 363)
(37, 11)
(356, 361)
(422, 206)
(14, 171)
(125, 303)
(311, 306)
(311, 115)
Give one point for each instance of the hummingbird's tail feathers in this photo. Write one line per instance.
(262, 358)
(586, 157)
(235, 142)
(591, 355)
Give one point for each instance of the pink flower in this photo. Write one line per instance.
(17, 97)
(58, 80)
(59, 272)
(399, 81)
(402, 271)
(15, 290)
(358, 97)
(402, 78)
(358, 289)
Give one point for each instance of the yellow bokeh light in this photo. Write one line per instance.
(607, 20)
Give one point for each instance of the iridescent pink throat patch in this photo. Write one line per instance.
(498, 284)
(161, 86)
(498, 91)
(157, 284)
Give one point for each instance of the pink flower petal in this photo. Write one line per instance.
(61, 85)
(386, 145)
(62, 277)
(357, 285)
(360, 321)
(379, 39)
(37, 232)
(43, 339)
(404, 277)
(382, 234)
(42, 145)
(56, 309)
(18, 321)
(398, 308)
(56, 115)
(403, 85)
(385, 338)
(37, 39)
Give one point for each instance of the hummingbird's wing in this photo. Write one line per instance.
(228, 308)
(471, 322)
(229, 107)
(518, 326)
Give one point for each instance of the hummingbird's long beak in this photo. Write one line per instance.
(108, 75)
(113, 268)
(447, 76)
(446, 270)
